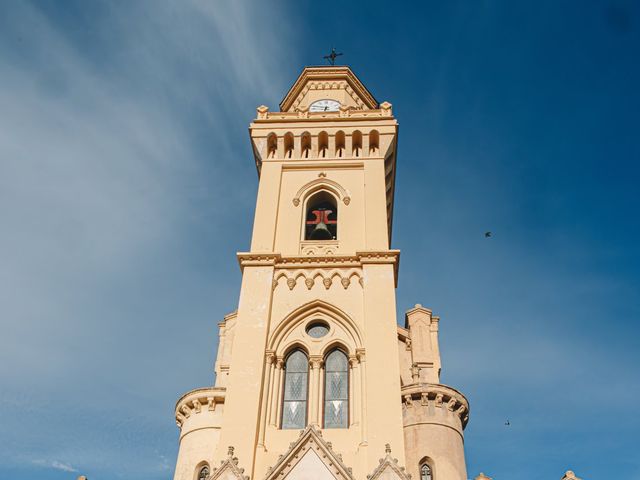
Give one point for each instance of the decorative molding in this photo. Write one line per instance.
(389, 463)
(257, 259)
(191, 403)
(310, 439)
(310, 276)
(317, 184)
(568, 475)
(328, 78)
(228, 466)
(451, 402)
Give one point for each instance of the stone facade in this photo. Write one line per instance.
(320, 258)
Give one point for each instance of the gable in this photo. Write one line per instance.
(310, 457)
(310, 466)
(328, 83)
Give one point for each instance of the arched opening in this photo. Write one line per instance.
(203, 472)
(323, 144)
(336, 390)
(426, 470)
(374, 142)
(288, 145)
(321, 221)
(272, 145)
(356, 143)
(305, 144)
(340, 142)
(296, 386)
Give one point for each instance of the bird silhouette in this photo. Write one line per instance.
(487, 234)
(507, 423)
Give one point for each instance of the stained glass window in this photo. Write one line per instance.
(425, 472)
(317, 329)
(336, 390)
(203, 473)
(294, 408)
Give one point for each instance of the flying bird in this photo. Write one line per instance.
(507, 423)
(487, 234)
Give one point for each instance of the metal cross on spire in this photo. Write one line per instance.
(331, 58)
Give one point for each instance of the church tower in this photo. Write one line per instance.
(315, 380)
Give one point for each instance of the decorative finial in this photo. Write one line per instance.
(387, 449)
(331, 58)
(230, 451)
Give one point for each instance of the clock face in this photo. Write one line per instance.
(324, 106)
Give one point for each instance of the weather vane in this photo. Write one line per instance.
(332, 56)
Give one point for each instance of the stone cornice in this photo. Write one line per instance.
(443, 396)
(195, 400)
(279, 261)
(348, 115)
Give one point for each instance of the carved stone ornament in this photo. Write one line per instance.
(310, 442)
(389, 468)
(569, 475)
(229, 468)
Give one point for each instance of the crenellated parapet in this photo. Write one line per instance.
(426, 403)
(195, 402)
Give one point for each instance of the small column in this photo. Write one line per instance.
(277, 410)
(320, 391)
(269, 359)
(314, 366)
(271, 390)
(354, 387)
(275, 391)
(314, 147)
(363, 394)
(331, 150)
(348, 145)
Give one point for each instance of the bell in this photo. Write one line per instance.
(321, 232)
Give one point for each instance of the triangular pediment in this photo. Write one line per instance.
(228, 469)
(310, 457)
(328, 83)
(389, 469)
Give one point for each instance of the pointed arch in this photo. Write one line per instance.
(313, 186)
(315, 309)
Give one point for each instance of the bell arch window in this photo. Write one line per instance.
(321, 221)
(340, 142)
(356, 143)
(203, 472)
(425, 472)
(288, 145)
(296, 386)
(374, 141)
(336, 390)
(323, 144)
(272, 145)
(305, 144)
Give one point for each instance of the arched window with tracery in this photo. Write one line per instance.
(203, 473)
(425, 472)
(296, 386)
(321, 221)
(336, 390)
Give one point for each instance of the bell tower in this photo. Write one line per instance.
(314, 378)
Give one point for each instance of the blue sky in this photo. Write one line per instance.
(127, 185)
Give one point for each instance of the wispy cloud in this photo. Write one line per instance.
(116, 127)
(55, 464)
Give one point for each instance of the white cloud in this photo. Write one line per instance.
(119, 138)
(55, 464)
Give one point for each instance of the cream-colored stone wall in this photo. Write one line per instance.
(347, 282)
